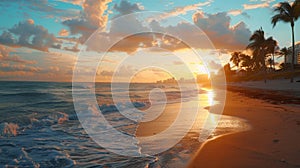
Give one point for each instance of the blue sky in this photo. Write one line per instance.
(40, 39)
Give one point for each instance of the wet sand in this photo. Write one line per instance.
(179, 155)
(273, 141)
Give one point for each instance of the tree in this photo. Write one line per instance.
(235, 58)
(257, 45)
(270, 62)
(284, 52)
(260, 47)
(288, 14)
(246, 62)
(242, 61)
(270, 45)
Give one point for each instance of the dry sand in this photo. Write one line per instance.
(273, 141)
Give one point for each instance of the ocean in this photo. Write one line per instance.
(40, 128)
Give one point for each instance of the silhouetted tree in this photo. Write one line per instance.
(246, 62)
(260, 47)
(257, 45)
(289, 14)
(270, 45)
(235, 58)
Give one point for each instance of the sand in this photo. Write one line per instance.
(273, 141)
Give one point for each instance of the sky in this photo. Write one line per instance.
(137, 40)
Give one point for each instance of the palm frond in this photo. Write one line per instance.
(296, 9)
(280, 17)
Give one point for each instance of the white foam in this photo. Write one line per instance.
(8, 129)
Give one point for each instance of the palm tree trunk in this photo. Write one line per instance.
(284, 59)
(293, 56)
(273, 61)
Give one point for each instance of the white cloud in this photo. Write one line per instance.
(182, 10)
(92, 18)
(255, 6)
(63, 32)
(235, 12)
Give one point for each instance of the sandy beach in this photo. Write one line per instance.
(273, 140)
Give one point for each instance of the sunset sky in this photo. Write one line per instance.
(40, 39)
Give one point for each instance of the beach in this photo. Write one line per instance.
(272, 141)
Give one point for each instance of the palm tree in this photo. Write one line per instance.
(235, 58)
(257, 45)
(270, 62)
(246, 62)
(260, 47)
(284, 52)
(288, 14)
(270, 45)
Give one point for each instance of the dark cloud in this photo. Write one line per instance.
(27, 34)
(217, 27)
(126, 7)
(7, 38)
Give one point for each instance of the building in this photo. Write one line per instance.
(297, 54)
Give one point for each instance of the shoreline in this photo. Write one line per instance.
(272, 141)
(190, 143)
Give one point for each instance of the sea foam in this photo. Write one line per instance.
(8, 129)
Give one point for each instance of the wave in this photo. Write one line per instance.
(105, 108)
(26, 94)
(8, 129)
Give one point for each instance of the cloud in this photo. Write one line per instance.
(238, 12)
(7, 38)
(19, 67)
(255, 6)
(182, 10)
(14, 66)
(72, 49)
(54, 68)
(125, 7)
(235, 12)
(45, 66)
(26, 34)
(217, 27)
(246, 15)
(124, 26)
(214, 65)
(30, 21)
(5, 56)
(74, 2)
(178, 63)
(197, 15)
(63, 32)
(43, 6)
(106, 73)
(4, 52)
(92, 17)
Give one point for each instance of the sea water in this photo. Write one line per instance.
(40, 128)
